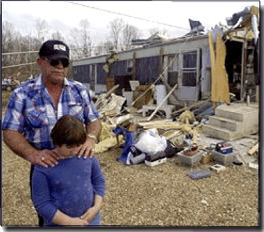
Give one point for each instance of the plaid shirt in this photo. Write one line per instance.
(31, 110)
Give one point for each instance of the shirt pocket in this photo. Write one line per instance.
(76, 109)
(37, 118)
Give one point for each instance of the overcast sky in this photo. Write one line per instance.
(61, 16)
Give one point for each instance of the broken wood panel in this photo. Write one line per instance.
(220, 88)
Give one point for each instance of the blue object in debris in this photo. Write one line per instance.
(129, 141)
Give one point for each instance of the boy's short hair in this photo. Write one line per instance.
(68, 130)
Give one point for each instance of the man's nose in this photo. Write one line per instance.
(59, 65)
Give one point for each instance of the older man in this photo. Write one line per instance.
(35, 106)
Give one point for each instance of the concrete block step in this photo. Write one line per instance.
(235, 112)
(221, 133)
(232, 125)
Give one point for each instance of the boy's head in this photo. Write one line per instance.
(69, 131)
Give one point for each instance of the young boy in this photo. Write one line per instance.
(70, 193)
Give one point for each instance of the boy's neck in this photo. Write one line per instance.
(61, 156)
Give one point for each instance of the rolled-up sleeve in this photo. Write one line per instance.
(14, 118)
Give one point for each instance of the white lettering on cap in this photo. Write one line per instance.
(59, 47)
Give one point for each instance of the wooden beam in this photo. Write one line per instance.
(160, 76)
(253, 149)
(155, 111)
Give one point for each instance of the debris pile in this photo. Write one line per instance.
(154, 142)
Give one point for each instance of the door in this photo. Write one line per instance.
(189, 75)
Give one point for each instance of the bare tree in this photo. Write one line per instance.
(85, 37)
(13, 42)
(155, 30)
(42, 29)
(108, 46)
(100, 49)
(130, 32)
(81, 44)
(116, 27)
(57, 36)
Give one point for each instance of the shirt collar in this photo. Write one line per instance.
(39, 84)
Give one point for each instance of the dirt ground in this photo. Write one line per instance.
(140, 195)
(162, 195)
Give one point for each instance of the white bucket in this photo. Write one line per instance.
(161, 93)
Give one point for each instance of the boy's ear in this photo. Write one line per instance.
(39, 61)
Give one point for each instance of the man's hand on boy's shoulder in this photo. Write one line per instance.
(86, 149)
(46, 158)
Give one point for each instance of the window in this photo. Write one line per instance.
(189, 68)
(173, 69)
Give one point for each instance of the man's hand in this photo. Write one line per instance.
(90, 214)
(86, 149)
(46, 158)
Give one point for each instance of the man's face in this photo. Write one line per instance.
(53, 71)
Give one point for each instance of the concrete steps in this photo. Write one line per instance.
(233, 122)
(221, 133)
(225, 123)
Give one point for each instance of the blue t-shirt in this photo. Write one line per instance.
(69, 186)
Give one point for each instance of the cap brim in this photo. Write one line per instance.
(58, 56)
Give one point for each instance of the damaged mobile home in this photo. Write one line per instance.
(186, 61)
(221, 67)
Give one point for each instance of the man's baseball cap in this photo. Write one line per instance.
(54, 49)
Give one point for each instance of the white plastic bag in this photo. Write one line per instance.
(150, 142)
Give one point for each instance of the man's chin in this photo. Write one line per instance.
(56, 79)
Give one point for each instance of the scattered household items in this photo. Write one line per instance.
(191, 151)
(217, 168)
(207, 158)
(156, 162)
(199, 174)
(163, 103)
(222, 153)
(166, 108)
(237, 162)
(143, 95)
(128, 149)
(108, 143)
(224, 158)
(134, 85)
(111, 106)
(9, 84)
(253, 166)
(224, 147)
(190, 160)
(187, 117)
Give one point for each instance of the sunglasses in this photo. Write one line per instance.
(64, 62)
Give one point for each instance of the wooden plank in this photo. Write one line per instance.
(189, 107)
(160, 76)
(253, 149)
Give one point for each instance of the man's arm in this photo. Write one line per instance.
(93, 131)
(20, 146)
